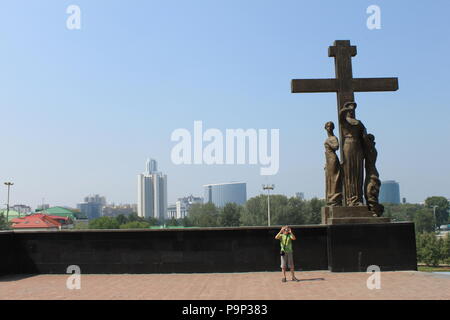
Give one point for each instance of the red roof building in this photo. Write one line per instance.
(62, 220)
(39, 222)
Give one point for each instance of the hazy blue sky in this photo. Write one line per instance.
(81, 110)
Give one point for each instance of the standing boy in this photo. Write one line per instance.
(286, 236)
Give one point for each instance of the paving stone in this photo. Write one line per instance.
(228, 286)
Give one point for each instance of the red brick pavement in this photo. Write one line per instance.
(228, 286)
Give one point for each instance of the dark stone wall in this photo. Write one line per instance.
(7, 253)
(338, 248)
(246, 249)
(391, 246)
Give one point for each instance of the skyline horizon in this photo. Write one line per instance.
(187, 194)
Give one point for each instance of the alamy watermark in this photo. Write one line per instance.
(374, 281)
(374, 20)
(73, 21)
(74, 281)
(236, 146)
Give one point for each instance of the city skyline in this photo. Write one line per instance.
(82, 112)
(151, 167)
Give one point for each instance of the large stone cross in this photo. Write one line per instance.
(344, 84)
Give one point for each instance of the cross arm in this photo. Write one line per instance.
(314, 85)
(375, 84)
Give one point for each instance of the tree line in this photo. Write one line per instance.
(431, 250)
(284, 210)
(424, 217)
(131, 221)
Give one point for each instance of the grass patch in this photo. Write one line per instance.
(433, 269)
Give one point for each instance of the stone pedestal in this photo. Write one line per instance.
(387, 246)
(349, 215)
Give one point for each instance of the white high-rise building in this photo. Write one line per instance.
(151, 166)
(152, 192)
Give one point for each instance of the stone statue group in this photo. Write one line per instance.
(355, 176)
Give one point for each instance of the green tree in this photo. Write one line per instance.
(446, 249)
(279, 213)
(424, 221)
(433, 250)
(150, 220)
(134, 217)
(122, 219)
(81, 225)
(185, 222)
(135, 225)
(313, 211)
(441, 209)
(283, 210)
(430, 249)
(172, 222)
(4, 225)
(401, 212)
(254, 212)
(104, 223)
(203, 215)
(195, 209)
(296, 209)
(230, 215)
(420, 245)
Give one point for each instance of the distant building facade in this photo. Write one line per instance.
(172, 211)
(152, 192)
(21, 208)
(222, 193)
(181, 208)
(95, 199)
(390, 192)
(113, 210)
(92, 206)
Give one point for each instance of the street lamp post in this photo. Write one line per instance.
(434, 214)
(8, 184)
(268, 187)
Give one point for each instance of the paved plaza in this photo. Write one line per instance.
(228, 286)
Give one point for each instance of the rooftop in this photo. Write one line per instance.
(37, 220)
(224, 183)
(11, 214)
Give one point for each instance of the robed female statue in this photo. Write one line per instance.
(353, 133)
(333, 181)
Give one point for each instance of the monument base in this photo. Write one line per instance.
(380, 246)
(350, 215)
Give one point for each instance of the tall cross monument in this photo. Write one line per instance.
(344, 84)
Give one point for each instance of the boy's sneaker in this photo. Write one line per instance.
(295, 279)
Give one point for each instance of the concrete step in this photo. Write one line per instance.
(345, 212)
(350, 212)
(353, 220)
